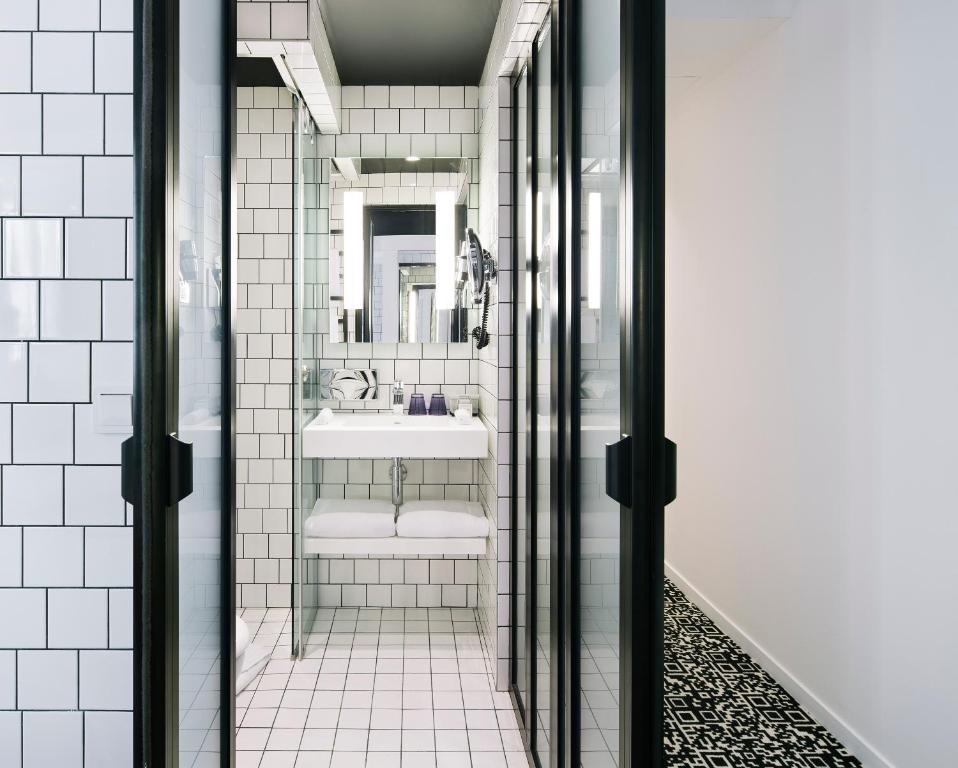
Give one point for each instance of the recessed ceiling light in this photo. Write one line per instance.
(412, 159)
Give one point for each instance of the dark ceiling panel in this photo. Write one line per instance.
(257, 70)
(410, 42)
(402, 165)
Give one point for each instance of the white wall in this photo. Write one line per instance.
(811, 363)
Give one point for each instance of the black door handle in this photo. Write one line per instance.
(618, 470)
(180, 463)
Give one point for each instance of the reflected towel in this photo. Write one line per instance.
(442, 520)
(242, 636)
(351, 519)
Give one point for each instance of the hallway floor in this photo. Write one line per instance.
(377, 688)
(724, 711)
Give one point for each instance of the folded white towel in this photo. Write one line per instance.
(442, 519)
(242, 636)
(351, 519)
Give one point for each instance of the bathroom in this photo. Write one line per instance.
(482, 383)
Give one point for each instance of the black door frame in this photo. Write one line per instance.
(151, 463)
(641, 317)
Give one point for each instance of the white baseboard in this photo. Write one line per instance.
(841, 730)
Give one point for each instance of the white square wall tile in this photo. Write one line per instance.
(108, 739)
(77, 618)
(92, 446)
(116, 15)
(95, 248)
(108, 186)
(109, 557)
(52, 186)
(59, 372)
(112, 366)
(118, 310)
(106, 679)
(11, 553)
(63, 62)
(43, 434)
(53, 557)
(9, 186)
(69, 14)
(47, 680)
(69, 309)
(32, 495)
(14, 62)
(73, 124)
(8, 687)
(10, 729)
(19, 309)
(93, 496)
(114, 62)
(119, 125)
(30, 628)
(33, 248)
(121, 618)
(20, 136)
(52, 739)
(13, 377)
(18, 14)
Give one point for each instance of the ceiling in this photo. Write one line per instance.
(410, 42)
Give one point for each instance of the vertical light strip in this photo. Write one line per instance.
(353, 250)
(445, 249)
(412, 325)
(595, 250)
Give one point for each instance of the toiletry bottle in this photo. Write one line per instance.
(397, 402)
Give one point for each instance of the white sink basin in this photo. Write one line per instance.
(377, 436)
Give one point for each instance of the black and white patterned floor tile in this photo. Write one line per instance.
(724, 711)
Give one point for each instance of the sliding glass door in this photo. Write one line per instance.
(177, 470)
(588, 520)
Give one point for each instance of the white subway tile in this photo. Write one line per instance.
(252, 21)
(95, 248)
(30, 628)
(108, 739)
(63, 62)
(52, 186)
(70, 309)
(77, 618)
(109, 557)
(53, 557)
(73, 124)
(106, 680)
(69, 14)
(32, 495)
(114, 62)
(59, 372)
(108, 186)
(14, 62)
(452, 96)
(9, 186)
(52, 739)
(23, 135)
(93, 496)
(10, 726)
(376, 96)
(13, 376)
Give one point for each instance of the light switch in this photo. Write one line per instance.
(113, 411)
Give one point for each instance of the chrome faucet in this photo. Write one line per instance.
(397, 393)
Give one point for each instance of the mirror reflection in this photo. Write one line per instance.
(395, 272)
